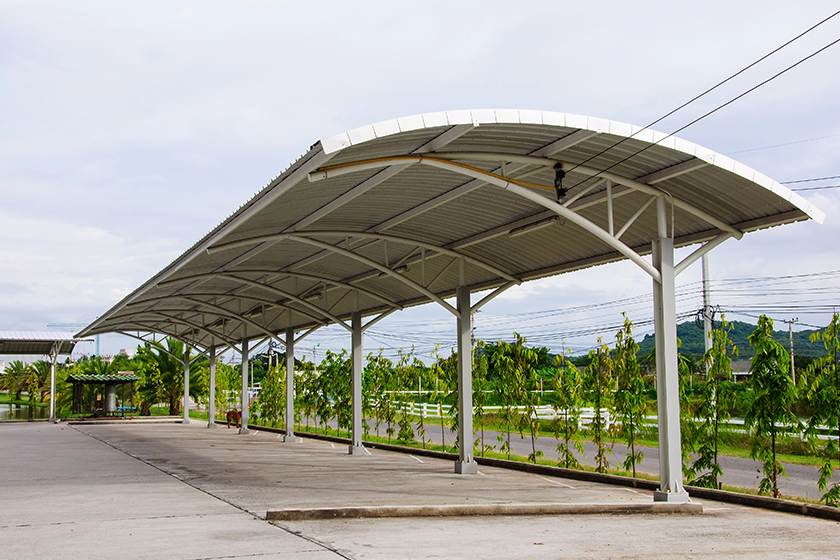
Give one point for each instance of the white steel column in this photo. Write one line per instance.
(667, 374)
(290, 386)
(186, 383)
(243, 395)
(53, 359)
(466, 461)
(211, 405)
(357, 447)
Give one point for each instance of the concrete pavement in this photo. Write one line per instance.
(184, 491)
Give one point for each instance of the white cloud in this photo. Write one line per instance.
(60, 265)
(130, 130)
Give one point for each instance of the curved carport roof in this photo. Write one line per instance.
(379, 218)
(422, 208)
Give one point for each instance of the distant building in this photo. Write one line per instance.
(128, 352)
(741, 370)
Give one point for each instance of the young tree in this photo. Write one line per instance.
(306, 389)
(378, 372)
(599, 383)
(630, 398)
(228, 385)
(272, 404)
(334, 381)
(567, 401)
(405, 374)
(688, 430)
(422, 377)
(824, 397)
(504, 386)
(446, 392)
(480, 384)
(716, 399)
(769, 416)
(515, 364)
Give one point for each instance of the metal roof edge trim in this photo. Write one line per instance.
(477, 117)
(231, 222)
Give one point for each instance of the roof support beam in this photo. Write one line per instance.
(307, 333)
(325, 172)
(223, 311)
(699, 252)
(318, 318)
(673, 171)
(377, 319)
(486, 299)
(373, 264)
(678, 202)
(292, 297)
(522, 189)
(549, 204)
(538, 155)
(305, 237)
(158, 346)
(317, 278)
(196, 326)
(634, 217)
(340, 201)
(435, 144)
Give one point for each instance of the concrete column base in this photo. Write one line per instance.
(212, 425)
(673, 497)
(54, 420)
(185, 420)
(244, 431)
(356, 450)
(289, 439)
(466, 468)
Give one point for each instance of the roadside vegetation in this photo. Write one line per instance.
(607, 397)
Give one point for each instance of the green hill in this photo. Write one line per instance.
(691, 337)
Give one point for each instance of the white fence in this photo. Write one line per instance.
(587, 416)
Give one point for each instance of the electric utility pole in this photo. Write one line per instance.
(707, 308)
(790, 331)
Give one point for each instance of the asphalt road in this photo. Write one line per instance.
(742, 472)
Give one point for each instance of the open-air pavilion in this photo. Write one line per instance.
(40, 344)
(425, 208)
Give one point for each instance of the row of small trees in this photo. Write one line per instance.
(769, 417)
(511, 378)
(614, 384)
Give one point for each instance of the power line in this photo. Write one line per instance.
(715, 110)
(816, 188)
(812, 180)
(787, 144)
(711, 89)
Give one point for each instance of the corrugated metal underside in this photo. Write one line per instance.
(261, 286)
(35, 343)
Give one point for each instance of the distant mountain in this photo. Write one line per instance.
(691, 337)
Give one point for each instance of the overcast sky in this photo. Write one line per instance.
(129, 130)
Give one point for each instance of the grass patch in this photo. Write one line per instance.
(7, 399)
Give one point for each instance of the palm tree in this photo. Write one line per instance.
(16, 378)
(163, 376)
(42, 371)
